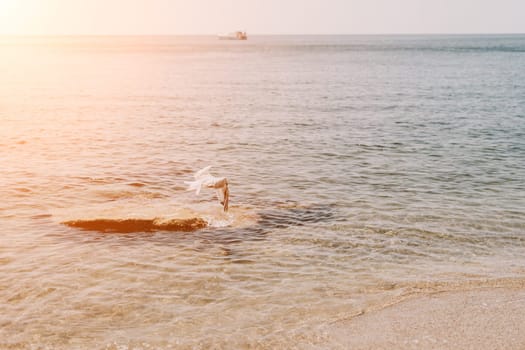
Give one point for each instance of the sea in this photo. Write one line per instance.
(362, 170)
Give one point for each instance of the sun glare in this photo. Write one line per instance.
(10, 16)
(17, 17)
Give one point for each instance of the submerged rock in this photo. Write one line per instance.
(138, 225)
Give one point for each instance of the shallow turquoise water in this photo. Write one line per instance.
(360, 167)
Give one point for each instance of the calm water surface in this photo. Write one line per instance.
(360, 168)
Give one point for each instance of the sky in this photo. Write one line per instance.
(145, 17)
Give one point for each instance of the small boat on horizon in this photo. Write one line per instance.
(238, 35)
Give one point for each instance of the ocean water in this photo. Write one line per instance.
(362, 169)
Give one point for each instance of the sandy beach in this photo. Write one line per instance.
(485, 318)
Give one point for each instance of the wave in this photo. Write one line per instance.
(294, 214)
(138, 225)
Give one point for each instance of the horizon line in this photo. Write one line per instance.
(266, 34)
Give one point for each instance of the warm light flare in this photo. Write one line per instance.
(17, 17)
(10, 16)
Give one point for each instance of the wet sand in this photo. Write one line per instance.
(488, 318)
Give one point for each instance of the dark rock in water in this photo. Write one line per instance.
(138, 225)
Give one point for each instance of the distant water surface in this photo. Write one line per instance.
(361, 168)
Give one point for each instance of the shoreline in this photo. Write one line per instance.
(487, 317)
